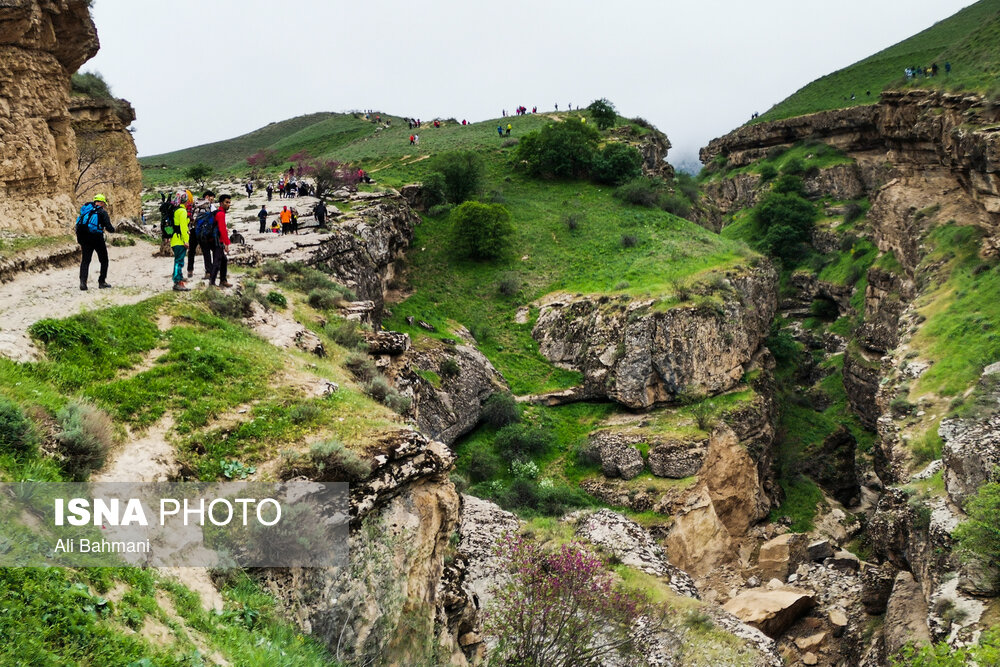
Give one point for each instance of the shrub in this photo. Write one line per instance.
(852, 212)
(378, 387)
(642, 191)
(521, 441)
(900, 406)
(687, 185)
(361, 366)
(397, 402)
(616, 164)
(676, 204)
(449, 368)
(17, 436)
(768, 172)
(277, 299)
(233, 306)
(90, 84)
(704, 415)
(793, 166)
(507, 143)
(572, 221)
(325, 299)
(978, 537)
(603, 113)
(569, 589)
(481, 231)
(500, 410)
(345, 333)
(462, 173)
(509, 284)
(560, 150)
(84, 439)
(629, 240)
(789, 183)
(331, 461)
(786, 220)
(439, 210)
(523, 469)
(483, 463)
(433, 190)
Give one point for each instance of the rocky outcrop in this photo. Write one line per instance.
(971, 455)
(905, 615)
(42, 42)
(781, 555)
(616, 452)
(637, 354)
(861, 381)
(361, 250)
(652, 145)
(677, 458)
(448, 385)
(106, 156)
(698, 541)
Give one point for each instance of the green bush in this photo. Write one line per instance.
(432, 190)
(17, 436)
(439, 210)
(786, 220)
(767, 172)
(500, 410)
(675, 203)
(978, 538)
(603, 113)
(277, 299)
(361, 366)
(91, 84)
(449, 368)
(483, 463)
(345, 333)
(84, 439)
(789, 183)
(233, 306)
(616, 164)
(462, 174)
(560, 150)
(325, 299)
(329, 461)
(643, 191)
(793, 166)
(481, 231)
(521, 441)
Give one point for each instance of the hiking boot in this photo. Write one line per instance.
(104, 285)
(190, 274)
(226, 284)
(83, 286)
(181, 287)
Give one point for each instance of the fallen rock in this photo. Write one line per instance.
(810, 659)
(812, 642)
(618, 457)
(838, 620)
(820, 550)
(843, 560)
(392, 343)
(876, 587)
(782, 555)
(771, 611)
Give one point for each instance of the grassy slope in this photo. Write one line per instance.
(970, 40)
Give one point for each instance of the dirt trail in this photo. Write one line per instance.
(148, 458)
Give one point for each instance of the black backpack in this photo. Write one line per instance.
(167, 210)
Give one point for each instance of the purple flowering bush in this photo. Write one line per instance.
(560, 609)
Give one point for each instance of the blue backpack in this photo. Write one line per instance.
(205, 226)
(88, 219)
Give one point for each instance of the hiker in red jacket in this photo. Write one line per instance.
(219, 245)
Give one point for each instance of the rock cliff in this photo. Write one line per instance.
(638, 353)
(42, 42)
(106, 155)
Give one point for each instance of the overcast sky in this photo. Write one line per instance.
(199, 71)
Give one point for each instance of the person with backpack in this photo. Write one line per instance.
(270, 191)
(179, 241)
(218, 238)
(249, 189)
(319, 211)
(262, 216)
(90, 226)
(202, 207)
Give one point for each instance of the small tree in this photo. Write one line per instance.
(198, 173)
(617, 163)
(561, 609)
(261, 159)
(90, 84)
(785, 221)
(481, 231)
(329, 175)
(603, 113)
(462, 172)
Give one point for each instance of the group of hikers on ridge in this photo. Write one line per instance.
(200, 223)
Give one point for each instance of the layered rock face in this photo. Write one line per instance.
(637, 354)
(42, 42)
(106, 155)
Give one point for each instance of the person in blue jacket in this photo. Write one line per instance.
(90, 235)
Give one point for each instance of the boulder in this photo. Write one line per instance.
(771, 611)
(698, 541)
(843, 560)
(819, 550)
(677, 459)
(618, 457)
(971, 453)
(905, 614)
(781, 556)
(838, 621)
(480, 524)
(392, 343)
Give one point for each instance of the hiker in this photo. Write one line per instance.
(262, 216)
(90, 226)
(412, 139)
(500, 131)
(204, 205)
(249, 188)
(508, 129)
(947, 67)
(281, 189)
(219, 243)
(286, 220)
(275, 226)
(319, 211)
(295, 220)
(179, 241)
(416, 138)
(270, 191)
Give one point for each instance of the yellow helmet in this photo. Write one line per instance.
(101, 198)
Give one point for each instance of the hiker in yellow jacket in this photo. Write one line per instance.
(179, 241)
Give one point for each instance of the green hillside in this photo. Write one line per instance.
(969, 40)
